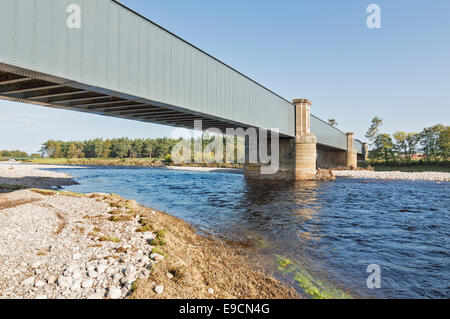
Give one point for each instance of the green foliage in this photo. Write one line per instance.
(433, 142)
(13, 154)
(374, 129)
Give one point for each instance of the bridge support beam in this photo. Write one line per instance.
(297, 156)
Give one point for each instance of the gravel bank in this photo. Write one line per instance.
(63, 245)
(12, 173)
(391, 175)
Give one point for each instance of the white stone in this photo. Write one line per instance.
(77, 273)
(114, 293)
(51, 279)
(88, 283)
(93, 274)
(129, 270)
(101, 268)
(76, 256)
(42, 297)
(211, 291)
(156, 257)
(65, 282)
(169, 275)
(117, 276)
(28, 281)
(39, 284)
(36, 264)
(159, 289)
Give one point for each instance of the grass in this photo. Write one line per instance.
(6, 187)
(46, 192)
(312, 286)
(413, 168)
(108, 238)
(160, 238)
(159, 252)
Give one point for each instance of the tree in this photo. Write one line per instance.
(406, 143)
(444, 143)
(333, 122)
(374, 130)
(384, 148)
(429, 140)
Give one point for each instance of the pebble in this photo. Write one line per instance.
(156, 257)
(93, 274)
(39, 284)
(211, 291)
(41, 297)
(28, 281)
(88, 283)
(114, 293)
(159, 289)
(101, 268)
(169, 275)
(76, 256)
(36, 264)
(65, 282)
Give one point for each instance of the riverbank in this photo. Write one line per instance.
(68, 245)
(394, 175)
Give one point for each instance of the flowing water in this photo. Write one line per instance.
(318, 236)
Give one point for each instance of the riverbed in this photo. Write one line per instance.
(310, 234)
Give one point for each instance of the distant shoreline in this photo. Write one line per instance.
(361, 174)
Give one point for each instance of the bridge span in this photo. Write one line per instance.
(101, 57)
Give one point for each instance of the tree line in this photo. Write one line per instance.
(432, 143)
(13, 154)
(110, 148)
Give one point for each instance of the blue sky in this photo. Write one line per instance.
(321, 50)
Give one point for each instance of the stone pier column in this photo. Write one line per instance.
(352, 155)
(297, 156)
(365, 152)
(305, 141)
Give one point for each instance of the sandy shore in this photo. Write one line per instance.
(394, 175)
(65, 245)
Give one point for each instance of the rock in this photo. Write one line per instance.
(65, 282)
(211, 291)
(325, 175)
(76, 256)
(144, 274)
(129, 271)
(39, 284)
(159, 289)
(101, 268)
(114, 293)
(103, 262)
(93, 274)
(77, 273)
(42, 297)
(36, 264)
(117, 276)
(51, 279)
(76, 285)
(88, 283)
(96, 295)
(156, 257)
(28, 281)
(169, 275)
(126, 280)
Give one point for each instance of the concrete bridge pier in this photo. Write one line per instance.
(297, 156)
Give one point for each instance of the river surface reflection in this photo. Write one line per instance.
(330, 231)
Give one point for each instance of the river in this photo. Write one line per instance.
(318, 236)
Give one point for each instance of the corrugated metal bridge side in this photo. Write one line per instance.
(121, 64)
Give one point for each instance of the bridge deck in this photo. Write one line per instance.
(124, 65)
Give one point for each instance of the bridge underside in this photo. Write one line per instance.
(34, 88)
